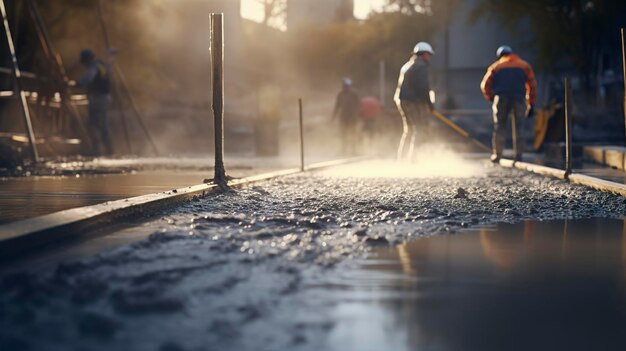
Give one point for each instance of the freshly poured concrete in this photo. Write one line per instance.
(556, 285)
(272, 267)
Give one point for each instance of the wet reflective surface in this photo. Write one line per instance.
(23, 198)
(27, 197)
(558, 285)
(90, 182)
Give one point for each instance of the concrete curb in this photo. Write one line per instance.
(18, 236)
(589, 181)
(531, 167)
(608, 155)
(598, 184)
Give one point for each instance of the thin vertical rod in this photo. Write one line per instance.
(624, 70)
(381, 72)
(116, 93)
(17, 76)
(217, 62)
(135, 108)
(103, 27)
(516, 151)
(568, 131)
(301, 135)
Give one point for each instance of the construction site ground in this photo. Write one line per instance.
(367, 256)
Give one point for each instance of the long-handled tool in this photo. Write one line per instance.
(462, 132)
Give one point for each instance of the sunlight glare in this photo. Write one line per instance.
(430, 162)
(362, 8)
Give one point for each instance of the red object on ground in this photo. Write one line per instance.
(370, 107)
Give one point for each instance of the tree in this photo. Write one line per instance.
(354, 48)
(274, 13)
(583, 34)
(409, 7)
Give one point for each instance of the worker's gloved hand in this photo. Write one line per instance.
(530, 111)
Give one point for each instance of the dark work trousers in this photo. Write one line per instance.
(415, 127)
(348, 130)
(503, 106)
(98, 124)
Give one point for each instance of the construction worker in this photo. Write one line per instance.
(412, 98)
(97, 82)
(370, 112)
(347, 107)
(511, 86)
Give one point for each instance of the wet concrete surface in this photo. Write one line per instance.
(87, 182)
(555, 285)
(35, 196)
(278, 266)
(602, 172)
(100, 180)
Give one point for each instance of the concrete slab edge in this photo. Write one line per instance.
(531, 167)
(598, 184)
(609, 155)
(582, 179)
(46, 229)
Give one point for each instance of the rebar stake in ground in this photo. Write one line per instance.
(217, 63)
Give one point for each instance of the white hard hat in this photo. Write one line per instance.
(423, 46)
(504, 50)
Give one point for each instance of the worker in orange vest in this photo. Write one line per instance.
(511, 86)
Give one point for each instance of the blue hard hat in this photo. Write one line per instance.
(504, 50)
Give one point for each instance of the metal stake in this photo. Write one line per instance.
(381, 73)
(301, 136)
(568, 132)
(516, 154)
(217, 62)
(17, 76)
(624, 69)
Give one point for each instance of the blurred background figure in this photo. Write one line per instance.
(347, 107)
(268, 120)
(371, 109)
(412, 98)
(97, 82)
(511, 86)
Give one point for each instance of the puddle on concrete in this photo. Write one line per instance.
(558, 285)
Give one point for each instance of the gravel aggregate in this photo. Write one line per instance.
(238, 270)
